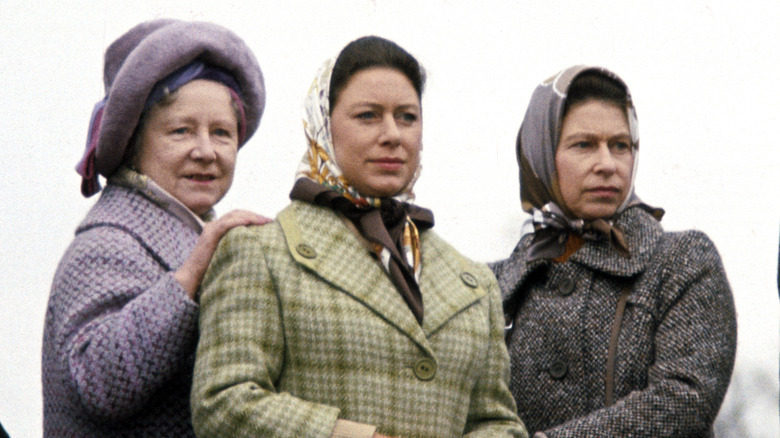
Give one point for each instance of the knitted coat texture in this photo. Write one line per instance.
(300, 326)
(676, 345)
(120, 332)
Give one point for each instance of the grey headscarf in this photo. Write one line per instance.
(540, 195)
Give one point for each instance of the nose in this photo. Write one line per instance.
(203, 149)
(605, 161)
(390, 135)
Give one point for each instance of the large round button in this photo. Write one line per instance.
(469, 280)
(306, 251)
(425, 369)
(558, 370)
(565, 287)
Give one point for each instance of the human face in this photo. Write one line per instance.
(595, 159)
(189, 146)
(376, 126)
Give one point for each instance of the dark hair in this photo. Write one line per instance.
(593, 84)
(373, 51)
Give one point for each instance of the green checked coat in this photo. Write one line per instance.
(300, 327)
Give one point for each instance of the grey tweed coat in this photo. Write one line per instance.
(676, 345)
(120, 332)
(300, 326)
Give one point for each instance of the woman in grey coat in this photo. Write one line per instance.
(120, 334)
(614, 326)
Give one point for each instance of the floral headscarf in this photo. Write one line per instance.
(540, 195)
(389, 224)
(319, 163)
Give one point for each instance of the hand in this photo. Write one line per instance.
(194, 268)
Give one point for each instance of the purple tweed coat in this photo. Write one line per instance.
(675, 348)
(120, 333)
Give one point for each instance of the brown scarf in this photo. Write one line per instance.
(382, 226)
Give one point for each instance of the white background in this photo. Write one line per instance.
(704, 76)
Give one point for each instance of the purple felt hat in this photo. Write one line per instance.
(145, 55)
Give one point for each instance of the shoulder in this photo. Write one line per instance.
(687, 251)
(433, 245)
(122, 216)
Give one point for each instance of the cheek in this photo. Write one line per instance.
(229, 160)
(414, 145)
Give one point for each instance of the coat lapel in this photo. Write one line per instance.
(318, 239)
(162, 234)
(449, 283)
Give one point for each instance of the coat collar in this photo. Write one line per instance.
(318, 239)
(166, 237)
(642, 234)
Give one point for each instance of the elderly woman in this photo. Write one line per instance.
(120, 334)
(615, 327)
(349, 316)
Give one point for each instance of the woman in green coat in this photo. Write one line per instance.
(348, 316)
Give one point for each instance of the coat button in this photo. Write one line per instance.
(558, 370)
(565, 287)
(425, 369)
(469, 280)
(306, 251)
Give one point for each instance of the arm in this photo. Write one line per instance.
(130, 326)
(241, 350)
(695, 344)
(492, 410)
(126, 326)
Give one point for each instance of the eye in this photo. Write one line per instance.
(408, 117)
(220, 132)
(581, 145)
(179, 131)
(622, 147)
(366, 115)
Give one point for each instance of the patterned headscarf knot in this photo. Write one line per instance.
(552, 228)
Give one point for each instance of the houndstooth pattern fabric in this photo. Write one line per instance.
(293, 339)
(120, 332)
(676, 348)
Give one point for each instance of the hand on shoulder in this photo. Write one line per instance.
(191, 272)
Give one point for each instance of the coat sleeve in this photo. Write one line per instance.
(492, 410)
(695, 345)
(240, 353)
(127, 327)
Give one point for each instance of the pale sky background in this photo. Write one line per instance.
(704, 76)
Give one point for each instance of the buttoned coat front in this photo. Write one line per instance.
(675, 346)
(300, 326)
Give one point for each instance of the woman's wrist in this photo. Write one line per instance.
(352, 429)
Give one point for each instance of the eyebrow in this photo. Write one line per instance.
(588, 135)
(371, 104)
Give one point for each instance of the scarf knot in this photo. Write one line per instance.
(552, 229)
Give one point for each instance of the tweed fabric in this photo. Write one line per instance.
(676, 347)
(293, 339)
(120, 332)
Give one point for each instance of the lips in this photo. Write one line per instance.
(604, 191)
(200, 177)
(388, 163)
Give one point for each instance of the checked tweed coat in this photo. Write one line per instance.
(675, 349)
(120, 333)
(301, 326)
